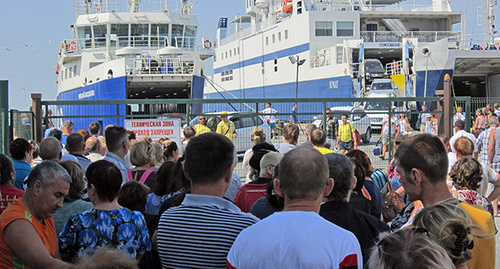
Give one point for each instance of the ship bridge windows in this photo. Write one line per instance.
(226, 76)
(85, 37)
(324, 28)
(100, 35)
(139, 34)
(119, 33)
(177, 35)
(345, 28)
(159, 34)
(189, 36)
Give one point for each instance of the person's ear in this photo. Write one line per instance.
(37, 187)
(277, 188)
(328, 187)
(186, 174)
(229, 174)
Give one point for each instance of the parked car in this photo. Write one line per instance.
(356, 116)
(244, 125)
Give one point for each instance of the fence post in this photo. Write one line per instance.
(117, 115)
(447, 106)
(324, 116)
(36, 107)
(4, 110)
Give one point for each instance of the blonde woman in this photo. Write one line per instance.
(450, 227)
(142, 157)
(256, 137)
(408, 249)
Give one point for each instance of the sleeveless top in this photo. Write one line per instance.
(496, 157)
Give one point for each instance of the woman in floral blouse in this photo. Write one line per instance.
(107, 223)
(467, 174)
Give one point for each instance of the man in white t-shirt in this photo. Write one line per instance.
(298, 236)
(459, 132)
(459, 115)
(271, 119)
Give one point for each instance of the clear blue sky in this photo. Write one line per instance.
(28, 57)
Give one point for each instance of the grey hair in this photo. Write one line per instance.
(47, 172)
(342, 171)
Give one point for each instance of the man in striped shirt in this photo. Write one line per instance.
(200, 232)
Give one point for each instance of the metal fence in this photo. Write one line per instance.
(245, 115)
(21, 123)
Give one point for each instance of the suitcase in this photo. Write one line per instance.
(377, 150)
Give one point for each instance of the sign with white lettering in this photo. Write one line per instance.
(156, 129)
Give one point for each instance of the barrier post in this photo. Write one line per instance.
(4, 120)
(36, 109)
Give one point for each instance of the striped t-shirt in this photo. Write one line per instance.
(200, 232)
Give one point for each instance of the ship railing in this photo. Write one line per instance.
(197, 44)
(422, 36)
(241, 33)
(104, 6)
(408, 7)
(163, 66)
(474, 42)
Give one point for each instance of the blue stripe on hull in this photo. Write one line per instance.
(338, 87)
(265, 58)
(109, 89)
(435, 80)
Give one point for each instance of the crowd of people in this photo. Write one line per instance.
(82, 200)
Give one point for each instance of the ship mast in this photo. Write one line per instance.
(489, 22)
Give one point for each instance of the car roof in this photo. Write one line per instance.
(382, 80)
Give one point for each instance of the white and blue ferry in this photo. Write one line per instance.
(318, 48)
(131, 50)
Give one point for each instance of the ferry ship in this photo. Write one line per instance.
(131, 50)
(318, 48)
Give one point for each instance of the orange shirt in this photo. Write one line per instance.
(46, 231)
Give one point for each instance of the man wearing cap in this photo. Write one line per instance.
(226, 127)
(384, 134)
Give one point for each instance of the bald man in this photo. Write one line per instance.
(95, 149)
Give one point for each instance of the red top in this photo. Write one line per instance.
(8, 194)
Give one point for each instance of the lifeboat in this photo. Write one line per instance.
(287, 6)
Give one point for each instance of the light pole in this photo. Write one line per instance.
(295, 60)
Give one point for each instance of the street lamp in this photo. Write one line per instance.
(295, 60)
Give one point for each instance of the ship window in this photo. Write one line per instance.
(100, 35)
(267, 40)
(234, 51)
(66, 74)
(70, 72)
(279, 36)
(275, 61)
(74, 71)
(139, 34)
(230, 53)
(189, 36)
(274, 38)
(286, 34)
(275, 69)
(324, 28)
(158, 34)
(177, 35)
(226, 54)
(85, 35)
(222, 56)
(215, 58)
(238, 50)
(121, 33)
(345, 28)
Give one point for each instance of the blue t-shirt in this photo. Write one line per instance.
(63, 139)
(85, 233)
(294, 117)
(23, 170)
